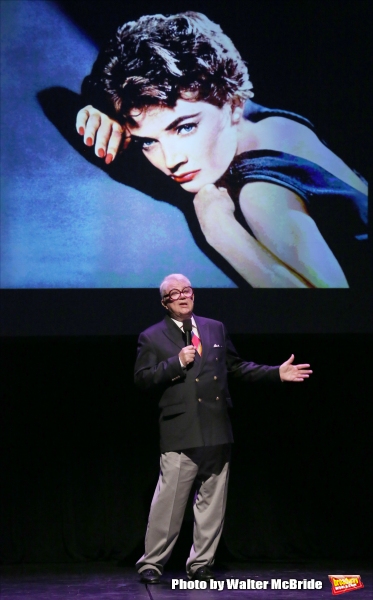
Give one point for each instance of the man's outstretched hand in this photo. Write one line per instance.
(290, 372)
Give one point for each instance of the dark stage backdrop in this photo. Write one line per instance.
(79, 447)
(84, 247)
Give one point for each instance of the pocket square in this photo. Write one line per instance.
(217, 346)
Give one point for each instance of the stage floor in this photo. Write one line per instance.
(234, 581)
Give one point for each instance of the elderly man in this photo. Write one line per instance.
(190, 382)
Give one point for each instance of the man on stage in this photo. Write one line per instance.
(185, 360)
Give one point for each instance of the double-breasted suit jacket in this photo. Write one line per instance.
(194, 401)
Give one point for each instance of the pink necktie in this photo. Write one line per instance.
(197, 343)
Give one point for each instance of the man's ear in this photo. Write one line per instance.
(164, 305)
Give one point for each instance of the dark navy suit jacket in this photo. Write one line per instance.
(193, 402)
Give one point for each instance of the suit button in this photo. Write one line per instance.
(216, 358)
(199, 399)
(197, 380)
(217, 397)
(215, 377)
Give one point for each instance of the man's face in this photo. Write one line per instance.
(182, 308)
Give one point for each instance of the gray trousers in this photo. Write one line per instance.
(209, 468)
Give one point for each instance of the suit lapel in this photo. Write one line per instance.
(173, 332)
(204, 333)
(175, 335)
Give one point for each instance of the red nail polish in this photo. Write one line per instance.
(101, 153)
(89, 141)
(81, 130)
(108, 159)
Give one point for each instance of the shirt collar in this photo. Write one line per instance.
(180, 323)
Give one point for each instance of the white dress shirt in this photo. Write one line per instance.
(194, 328)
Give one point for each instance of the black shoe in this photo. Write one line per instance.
(203, 574)
(149, 576)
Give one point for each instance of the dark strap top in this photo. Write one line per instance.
(339, 210)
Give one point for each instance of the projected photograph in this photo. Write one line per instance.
(152, 153)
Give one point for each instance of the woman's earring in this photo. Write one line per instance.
(236, 114)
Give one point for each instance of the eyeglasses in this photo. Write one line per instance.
(175, 294)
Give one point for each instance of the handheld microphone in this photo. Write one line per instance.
(187, 324)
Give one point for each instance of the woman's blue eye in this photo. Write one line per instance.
(181, 129)
(144, 144)
(186, 128)
(147, 143)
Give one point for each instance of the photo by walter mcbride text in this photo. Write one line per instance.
(270, 197)
(248, 584)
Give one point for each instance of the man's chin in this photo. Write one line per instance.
(186, 314)
(181, 313)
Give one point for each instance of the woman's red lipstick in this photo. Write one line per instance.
(185, 176)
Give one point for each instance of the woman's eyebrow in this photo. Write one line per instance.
(172, 125)
(142, 138)
(179, 120)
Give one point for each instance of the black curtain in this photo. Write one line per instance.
(80, 452)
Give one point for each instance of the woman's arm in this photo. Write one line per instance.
(279, 220)
(251, 259)
(97, 128)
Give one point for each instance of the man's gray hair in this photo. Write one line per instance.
(177, 276)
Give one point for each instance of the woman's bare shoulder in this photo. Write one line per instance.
(285, 135)
(277, 132)
(268, 197)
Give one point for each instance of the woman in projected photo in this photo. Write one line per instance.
(270, 197)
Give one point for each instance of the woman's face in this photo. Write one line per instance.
(193, 143)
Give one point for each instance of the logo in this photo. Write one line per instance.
(345, 583)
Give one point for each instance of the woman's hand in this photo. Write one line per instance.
(253, 261)
(97, 128)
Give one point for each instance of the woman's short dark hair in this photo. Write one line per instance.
(158, 59)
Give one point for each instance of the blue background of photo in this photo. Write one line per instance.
(65, 223)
